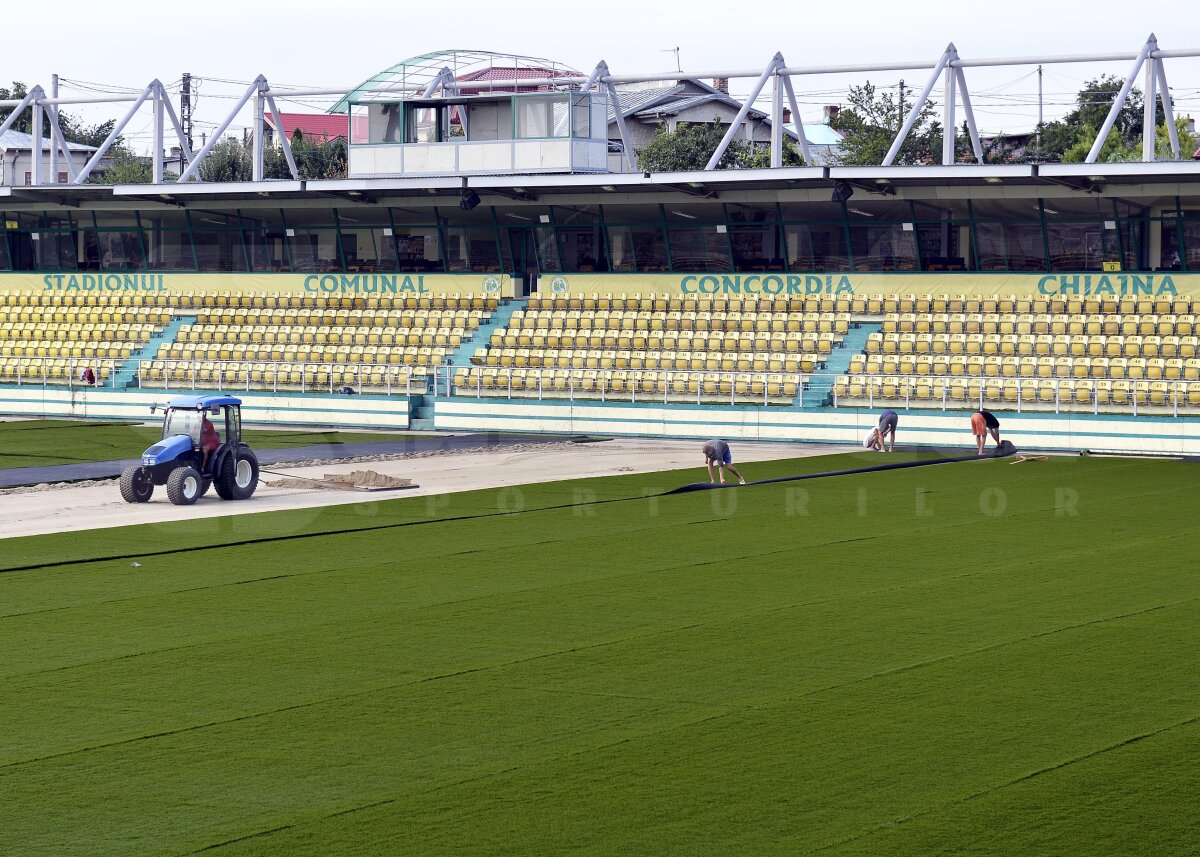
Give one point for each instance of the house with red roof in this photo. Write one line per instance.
(506, 73)
(314, 126)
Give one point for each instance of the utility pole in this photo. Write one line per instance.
(900, 108)
(185, 107)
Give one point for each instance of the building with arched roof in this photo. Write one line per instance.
(412, 112)
(415, 74)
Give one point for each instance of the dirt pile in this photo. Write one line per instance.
(358, 480)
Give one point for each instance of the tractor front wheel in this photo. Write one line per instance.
(184, 486)
(237, 480)
(136, 485)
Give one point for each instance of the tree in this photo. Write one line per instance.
(93, 135)
(1063, 139)
(323, 159)
(873, 119)
(1118, 148)
(998, 149)
(1115, 149)
(688, 147)
(227, 161)
(1095, 100)
(691, 145)
(127, 168)
(73, 131)
(759, 157)
(24, 122)
(1188, 142)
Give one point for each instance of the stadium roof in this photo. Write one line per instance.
(1162, 179)
(415, 73)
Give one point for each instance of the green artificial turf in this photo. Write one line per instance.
(979, 658)
(35, 443)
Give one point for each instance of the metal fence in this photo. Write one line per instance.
(628, 385)
(60, 372)
(382, 379)
(1019, 394)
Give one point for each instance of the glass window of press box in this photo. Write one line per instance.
(311, 239)
(1081, 233)
(698, 236)
(1008, 235)
(755, 237)
(265, 240)
(1180, 240)
(528, 240)
(217, 239)
(882, 235)
(547, 115)
(169, 245)
(578, 230)
(472, 239)
(367, 239)
(637, 238)
(815, 236)
(942, 231)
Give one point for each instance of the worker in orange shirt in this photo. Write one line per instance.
(982, 424)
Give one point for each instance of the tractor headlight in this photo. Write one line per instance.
(150, 456)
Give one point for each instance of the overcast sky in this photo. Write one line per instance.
(303, 42)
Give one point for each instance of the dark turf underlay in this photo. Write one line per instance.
(18, 476)
(1002, 451)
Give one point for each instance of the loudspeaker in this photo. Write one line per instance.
(842, 191)
(469, 199)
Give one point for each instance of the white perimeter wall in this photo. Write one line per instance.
(1067, 432)
(83, 403)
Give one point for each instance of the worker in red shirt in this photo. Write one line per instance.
(209, 441)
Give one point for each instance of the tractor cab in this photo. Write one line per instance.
(200, 429)
(204, 423)
(201, 446)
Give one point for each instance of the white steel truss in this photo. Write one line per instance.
(950, 67)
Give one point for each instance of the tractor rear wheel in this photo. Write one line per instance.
(136, 485)
(237, 481)
(183, 486)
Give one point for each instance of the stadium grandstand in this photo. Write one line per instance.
(494, 260)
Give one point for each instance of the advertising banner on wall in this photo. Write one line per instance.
(972, 284)
(328, 285)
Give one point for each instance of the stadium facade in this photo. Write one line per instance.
(463, 182)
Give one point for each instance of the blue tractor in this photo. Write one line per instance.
(201, 446)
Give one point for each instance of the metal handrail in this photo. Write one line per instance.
(1138, 389)
(414, 380)
(874, 383)
(75, 367)
(638, 391)
(733, 386)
